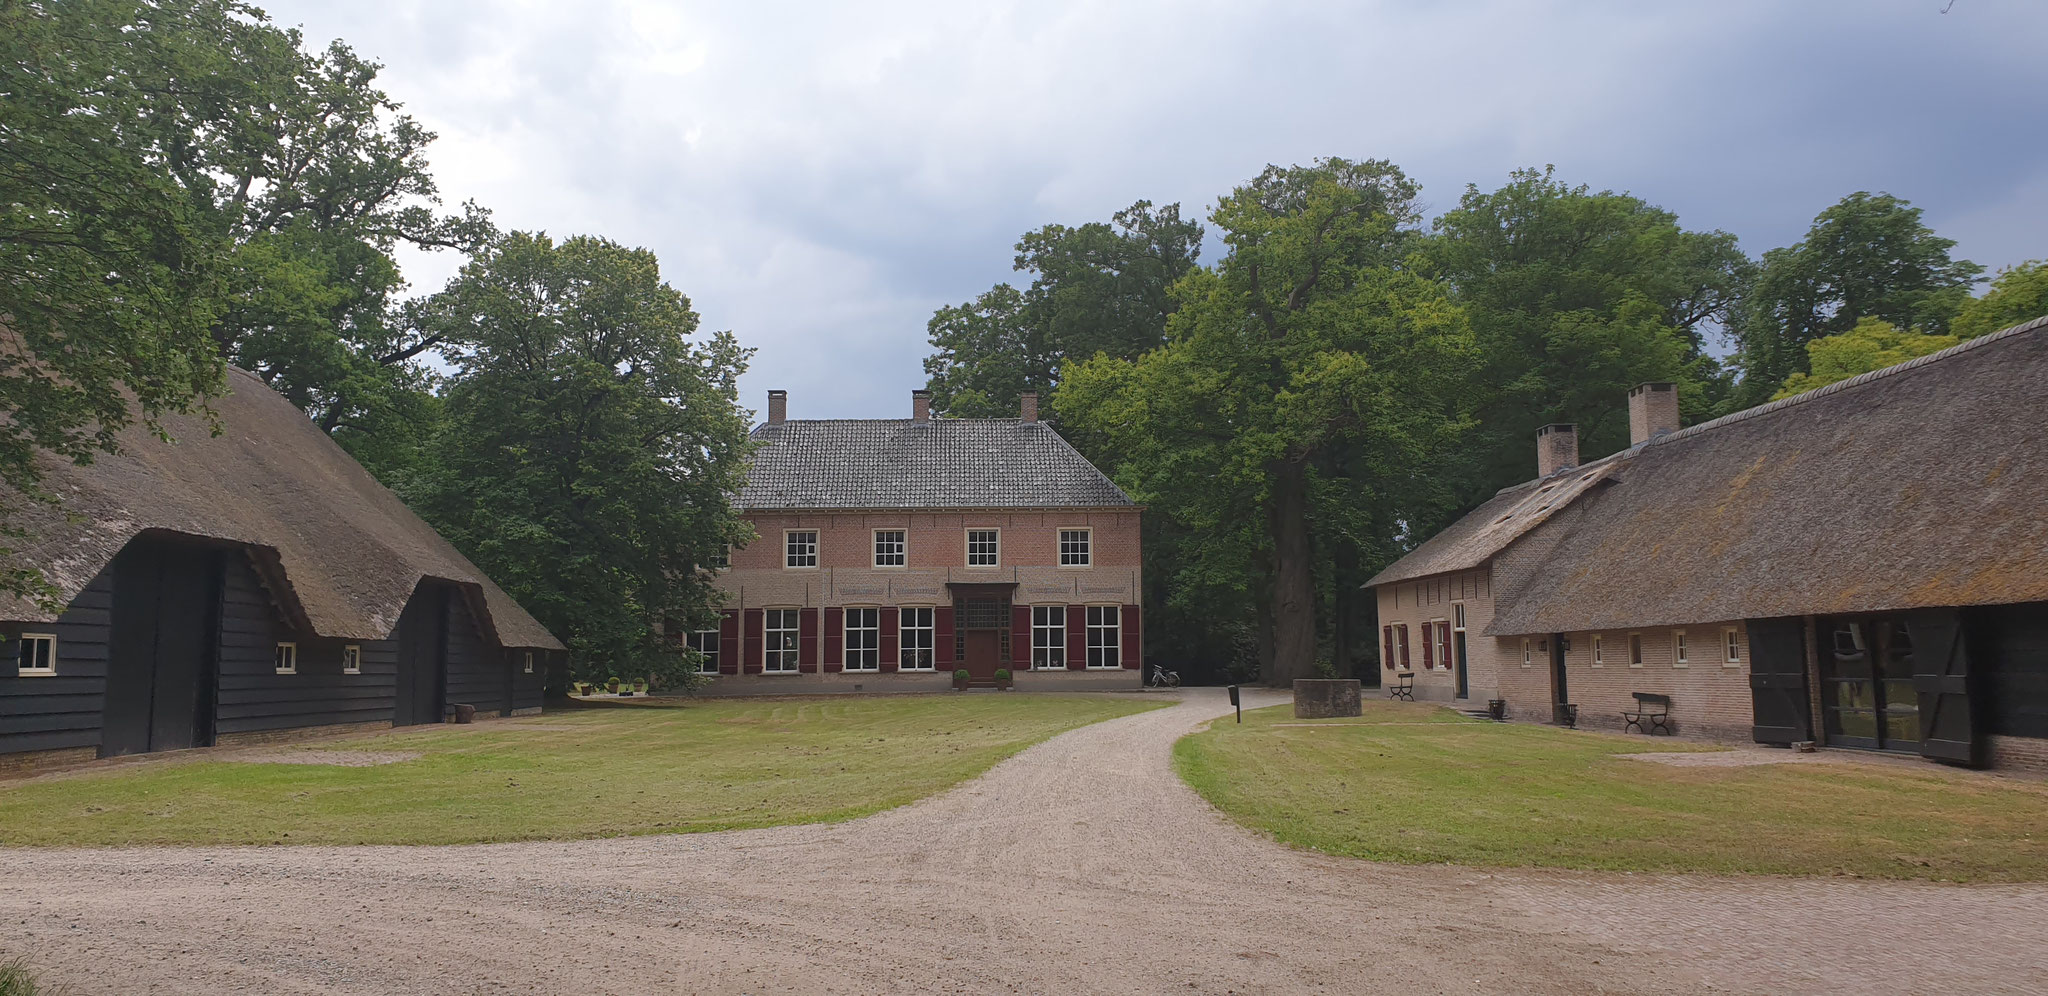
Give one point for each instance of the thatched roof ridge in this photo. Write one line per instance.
(1923, 484)
(342, 552)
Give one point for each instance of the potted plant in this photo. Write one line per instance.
(639, 686)
(1003, 678)
(960, 680)
(580, 687)
(612, 685)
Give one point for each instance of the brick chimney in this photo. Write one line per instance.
(778, 407)
(1557, 448)
(1652, 411)
(920, 406)
(1027, 407)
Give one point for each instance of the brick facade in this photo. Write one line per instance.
(845, 577)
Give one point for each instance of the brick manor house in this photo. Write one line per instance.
(893, 551)
(1863, 565)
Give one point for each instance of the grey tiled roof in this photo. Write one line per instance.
(943, 463)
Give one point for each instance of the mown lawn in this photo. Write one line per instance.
(1417, 783)
(598, 772)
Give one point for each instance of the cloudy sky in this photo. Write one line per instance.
(819, 178)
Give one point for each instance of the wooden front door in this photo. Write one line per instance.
(160, 660)
(983, 652)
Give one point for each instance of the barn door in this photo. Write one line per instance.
(160, 673)
(422, 657)
(1777, 680)
(1941, 677)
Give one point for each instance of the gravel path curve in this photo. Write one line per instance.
(1080, 865)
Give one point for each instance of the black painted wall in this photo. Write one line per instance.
(62, 710)
(253, 696)
(2009, 648)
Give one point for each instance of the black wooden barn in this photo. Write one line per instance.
(244, 587)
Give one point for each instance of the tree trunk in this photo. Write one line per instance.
(1294, 590)
(1344, 593)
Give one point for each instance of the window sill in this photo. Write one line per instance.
(860, 670)
(1680, 667)
(37, 672)
(917, 670)
(359, 671)
(1116, 667)
(1731, 663)
(1636, 666)
(1597, 666)
(1074, 567)
(793, 567)
(287, 670)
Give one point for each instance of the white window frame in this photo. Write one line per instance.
(1731, 647)
(928, 624)
(1401, 658)
(789, 556)
(1048, 638)
(872, 653)
(1526, 658)
(1087, 551)
(1457, 617)
(30, 671)
(352, 659)
(1116, 630)
(286, 657)
(902, 552)
(790, 657)
(529, 661)
(1635, 650)
(997, 532)
(694, 639)
(1440, 627)
(1599, 656)
(1679, 650)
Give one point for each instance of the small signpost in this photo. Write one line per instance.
(1239, 706)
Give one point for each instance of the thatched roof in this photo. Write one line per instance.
(1504, 518)
(343, 553)
(1924, 484)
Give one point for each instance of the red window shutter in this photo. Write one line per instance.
(942, 636)
(729, 641)
(1404, 644)
(1020, 635)
(1077, 637)
(835, 639)
(756, 636)
(1428, 646)
(1129, 633)
(889, 659)
(1387, 647)
(807, 641)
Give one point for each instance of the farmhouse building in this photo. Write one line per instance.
(893, 551)
(1863, 565)
(245, 587)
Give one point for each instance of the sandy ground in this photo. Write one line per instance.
(1080, 866)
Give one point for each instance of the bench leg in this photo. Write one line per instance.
(1628, 724)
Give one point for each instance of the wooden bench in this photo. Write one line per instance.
(1653, 713)
(1403, 686)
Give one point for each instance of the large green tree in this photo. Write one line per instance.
(2018, 294)
(1867, 256)
(592, 442)
(1313, 348)
(1575, 296)
(1099, 287)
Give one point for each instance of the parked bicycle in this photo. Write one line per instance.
(1163, 678)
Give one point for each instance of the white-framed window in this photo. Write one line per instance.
(704, 642)
(1458, 617)
(1635, 650)
(286, 658)
(914, 638)
(1401, 644)
(864, 639)
(1731, 647)
(38, 654)
(984, 547)
(1527, 655)
(779, 643)
(528, 667)
(1441, 633)
(352, 660)
(1049, 637)
(1678, 655)
(1599, 657)
(1103, 636)
(800, 548)
(1077, 547)
(891, 548)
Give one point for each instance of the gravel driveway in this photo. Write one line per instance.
(1081, 865)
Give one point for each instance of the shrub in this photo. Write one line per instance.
(1002, 674)
(961, 675)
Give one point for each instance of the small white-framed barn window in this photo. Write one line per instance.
(38, 654)
(891, 548)
(984, 547)
(351, 659)
(1635, 650)
(1599, 654)
(1077, 547)
(527, 667)
(1678, 654)
(800, 548)
(1731, 647)
(1527, 654)
(286, 658)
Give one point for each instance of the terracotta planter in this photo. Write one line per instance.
(959, 684)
